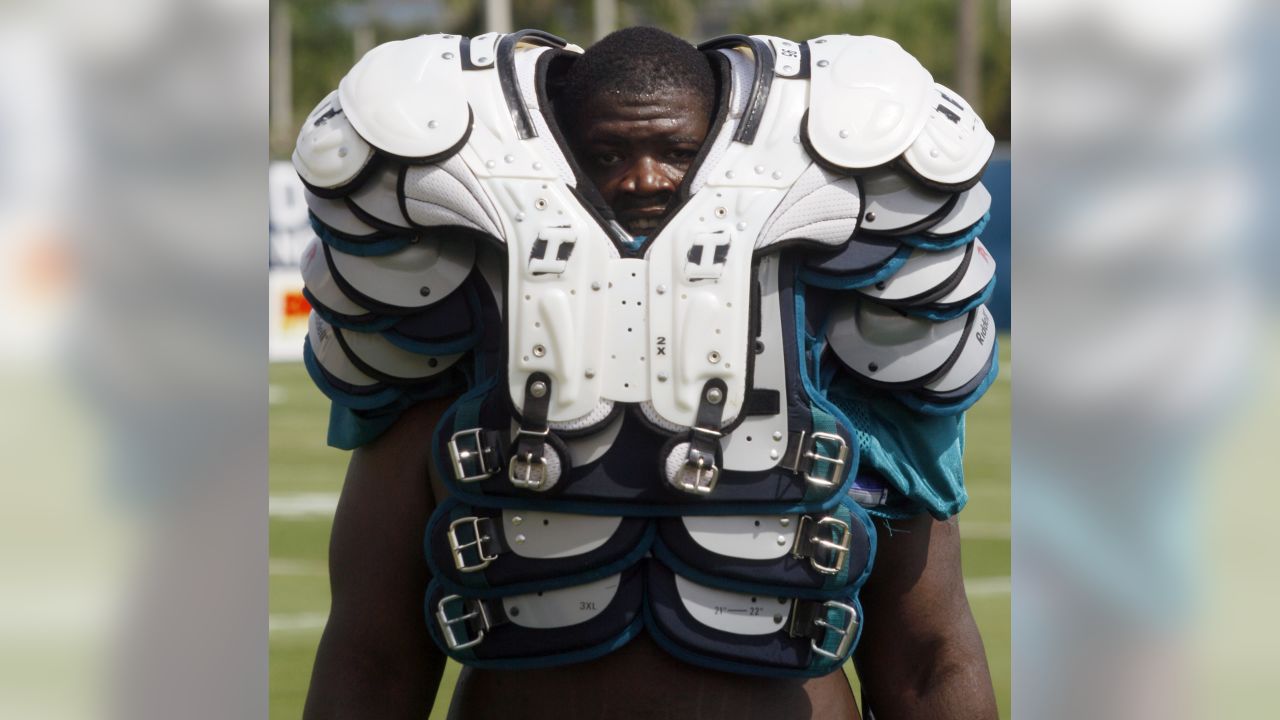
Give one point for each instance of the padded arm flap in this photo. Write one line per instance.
(869, 100)
(886, 347)
(407, 97)
(330, 155)
(954, 146)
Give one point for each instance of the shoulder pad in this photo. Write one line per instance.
(330, 155)
(972, 362)
(447, 193)
(895, 204)
(377, 201)
(337, 216)
(406, 281)
(361, 361)
(821, 207)
(978, 273)
(869, 100)
(885, 347)
(859, 256)
(953, 148)
(323, 292)
(322, 341)
(972, 205)
(406, 98)
(924, 277)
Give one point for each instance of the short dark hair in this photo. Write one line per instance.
(639, 61)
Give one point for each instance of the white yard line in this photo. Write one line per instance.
(296, 568)
(988, 586)
(979, 530)
(303, 505)
(276, 394)
(296, 622)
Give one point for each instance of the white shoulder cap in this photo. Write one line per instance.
(869, 100)
(954, 146)
(407, 97)
(330, 156)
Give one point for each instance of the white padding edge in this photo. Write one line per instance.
(894, 202)
(968, 210)
(329, 353)
(982, 267)
(973, 357)
(919, 275)
(320, 283)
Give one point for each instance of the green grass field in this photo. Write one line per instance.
(306, 477)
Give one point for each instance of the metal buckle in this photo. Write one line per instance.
(459, 456)
(840, 547)
(704, 477)
(459, 548)
(836, 462)
(525, 479)
(846, 632)
(447, 623)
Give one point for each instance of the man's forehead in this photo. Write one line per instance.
(672, 114)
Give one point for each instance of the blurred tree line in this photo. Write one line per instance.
(327, 34)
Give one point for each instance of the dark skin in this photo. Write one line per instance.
(920, 655)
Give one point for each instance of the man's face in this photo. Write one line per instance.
(637, 150)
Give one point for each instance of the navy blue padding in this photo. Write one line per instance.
(511, 574)
(449, 326)
(786, 575)
(508, 641)
(860, 255)
(378, 244)
(673, 622)
(872, 276)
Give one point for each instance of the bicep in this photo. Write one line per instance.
(376, 658)
(920, 641)
(375, 551)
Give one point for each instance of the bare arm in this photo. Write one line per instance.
(920, 655)
(375, 658)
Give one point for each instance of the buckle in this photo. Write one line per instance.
(840, 547)
(845, 631)
(447, 623)
(835, 462)
(524, 479)
(460, 456)
(459, 548)
(704, 476)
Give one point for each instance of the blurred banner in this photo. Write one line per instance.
(290, 232)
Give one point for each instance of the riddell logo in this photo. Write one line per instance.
(983, 328)
(983, 251)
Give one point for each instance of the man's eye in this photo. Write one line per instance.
(683, 155)
(607, 159)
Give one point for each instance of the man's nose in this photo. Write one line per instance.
(647, 177)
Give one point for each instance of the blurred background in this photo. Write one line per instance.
(964, 43)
